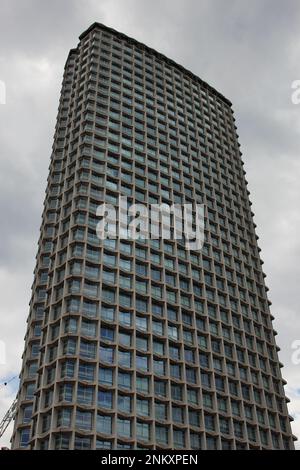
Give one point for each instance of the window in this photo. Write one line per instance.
(66, 392)
(107, 334)
(62, 442)
(161, 434)
(205, 379)
(158, 348)
(125, 318)
(125, 339)
(124, 403)
(190, 375)
(67, 369)
(141, 323)
(101, 444)
(109, 277)
(124, 358)
(177, 414)
(142, 384)
(194, 418)
(173, 332)
(124, 427)
(143, 407)
(141, 343)
(142, 431)
(105, 399)
(209, 422)
(158, 367)
(84, 420)
(174, 352)
(141, 269)
(85, 395)
(87, 349)
(104, 424)
(27, 412)
(106, 354)
(224, 426)
(64, 417)
(86, 372)
(24, 437)
(125, 299)
(88, 328)
(124, 380)
(108, 295)
(107, 313)
(179, 439)
(105, 376)
(157, 327)
(238, 429)
(195, 441)
(176, 392)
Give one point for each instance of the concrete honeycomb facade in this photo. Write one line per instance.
(144, 344)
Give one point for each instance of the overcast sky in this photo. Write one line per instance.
(249, 51)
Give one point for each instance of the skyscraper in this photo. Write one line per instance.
(145, 343)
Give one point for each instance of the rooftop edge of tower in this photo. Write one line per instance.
(97, 25)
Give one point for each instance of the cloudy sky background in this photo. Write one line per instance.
(249, 51)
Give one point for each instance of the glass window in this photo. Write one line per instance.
(143, 407)
(124, 427)
(124, 403)
(64, 417)
(86, 372)
(161, 434)
(84, 420)
(142, 384)
(142, 362)
(85, 395)
(106, 354)
(104, 424)
(105, 376)
(105, 399)
(125, 318)
(24, 437)
(124, 358)
(124, 380)
(142, 431)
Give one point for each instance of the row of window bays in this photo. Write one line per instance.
(193, 275)
(217, 225)
(141, 383)
(167, 78)
(149, 409)
(86, 186)
(165, 406)
(107, 429)
(210, 334)
(94, 164)
(120, 164)
(138, 121)
(166, 358)
(85, 261)
(208, 130)
(184, 132)
(161, 122)
(135, 134)
(136, 126)
(80, 441)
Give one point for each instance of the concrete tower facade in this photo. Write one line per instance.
(144, 343)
